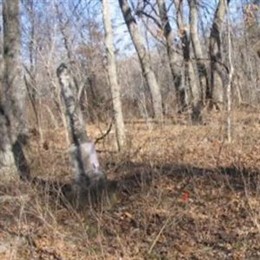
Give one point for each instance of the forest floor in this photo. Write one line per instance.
(180, 192)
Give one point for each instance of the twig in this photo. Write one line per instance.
(105, 134)
(158, 236)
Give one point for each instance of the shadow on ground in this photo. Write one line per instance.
(148, 212)
(134, 178)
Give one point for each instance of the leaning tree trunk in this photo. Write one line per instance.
(12, 116)
(83, 155)
(143, 58)
(217, 69)
(168, 35)
(112, 75)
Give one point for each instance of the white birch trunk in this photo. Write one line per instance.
(83, 155)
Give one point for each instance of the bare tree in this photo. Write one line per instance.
(112, 75)
(229, 83)
(197, 48)
(191, 94)
(252, 17)
(84, 159)
(143, 57)
(217, 67)
(30, 78)
(168, 34)
(12, 114)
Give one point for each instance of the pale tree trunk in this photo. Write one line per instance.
(148, 73)
(217, 70)
(112, 75)
(83, 155)
(168, 35)
(12, 122)
(191, 89)
(196, 45)
(229, 84)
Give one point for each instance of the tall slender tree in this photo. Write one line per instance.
(215, 51)
(191, 93)
(196, 46)
(141, 50)
(112, 75)
(169, 38)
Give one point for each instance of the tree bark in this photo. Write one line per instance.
(168, 35)
(112, 75)
(196, 45)
(143, 57)
(191, 93)
(83, 155)
(228, 87)
(215, 52)
(13, 123)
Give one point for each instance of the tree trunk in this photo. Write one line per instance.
(168, 35)
(112, 75)
(228, 87)
(215, 51)
(191, 89)
(196, 45)
(13, 124)
(84, 159)
(143, 57)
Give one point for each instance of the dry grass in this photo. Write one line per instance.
(181, 193)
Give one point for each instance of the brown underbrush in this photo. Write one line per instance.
(178, 191)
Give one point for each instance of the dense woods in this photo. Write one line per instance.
(172, 57)
(123, 111)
